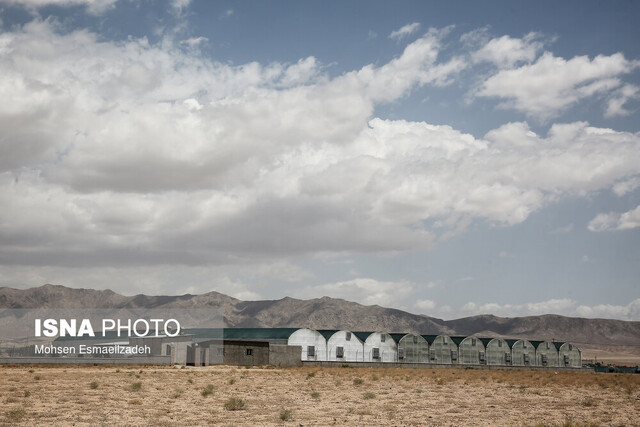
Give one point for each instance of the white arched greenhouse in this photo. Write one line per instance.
(412, 349)
(498, 352)
(471, 351)
(345, 346)
(546, 354)
(442, 349)
(380, 347)
(523, 353)
(569, 355)
(314, 345)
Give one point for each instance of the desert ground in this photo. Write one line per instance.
(153, 395)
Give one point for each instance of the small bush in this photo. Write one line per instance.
(37, 378)
(117, 371)
(234, 404)
(286, 414)
(177, 393)
(338, 383)
(311, 375)
(93, 385)
(27, 393)
(315, 395)
(15, 415)
(358, 381)
(232, 381)
(136, 386)
(31, 371)
(375, 378)
(190, 380)
(369, 395)
(588, 402)
(207, 391)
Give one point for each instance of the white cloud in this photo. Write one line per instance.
(95, 7)
(132, 153)
(618, 99)
(424, 306)
(362, 290)
(506, 51)
(404, 31)
(616, 221)
(551, 84)
(626, 186)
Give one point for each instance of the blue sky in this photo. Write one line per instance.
(445, 159)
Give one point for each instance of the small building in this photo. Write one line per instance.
(442, 349)
(412, 348)
(498, 352)
(569, 356)
(546, 353)
(380, 347)
(345, 346)
(471, 351)
(313, 343)
(523, 353)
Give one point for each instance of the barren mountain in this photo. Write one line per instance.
(331, 313)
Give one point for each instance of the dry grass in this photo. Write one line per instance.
(390, 396)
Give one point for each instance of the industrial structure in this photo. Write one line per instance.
(296, 346)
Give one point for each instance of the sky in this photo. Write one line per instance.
(443, 158)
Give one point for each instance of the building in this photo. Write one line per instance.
(523, 353)
(471, 351)
(380, 347)
(345, 346)
(412, 348)
(312, 342)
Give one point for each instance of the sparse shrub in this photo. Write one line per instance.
(338, 383)
(135, 402)
(588, 402)
(286, 414)
(375, 378)
(315, 395)
(37, 378)
(190, 380)
(177, 393)
(232, 381)
(117, 371)
(15, 415)
(207, 391)
(439, 381)
(27, 393)
(234, 404)
(311, 375)
(137, 376)
(136, 386)
(345, 365)
(369, 395)
(93, 385)
(31, 371)
(358, 381)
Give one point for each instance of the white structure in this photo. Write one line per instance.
(345, 346)
(314, 346)
(380, 347)
(546, 354)
(498, 352)
(569, 355)
(523, 353)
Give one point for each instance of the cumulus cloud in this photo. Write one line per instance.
(404, 31)
(137, 154)
(505, 51)
(618, 99)
(551, 84)
(616, 221)
(626, 186)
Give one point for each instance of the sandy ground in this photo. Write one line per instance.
(314, 396)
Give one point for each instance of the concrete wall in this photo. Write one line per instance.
(523, 353)
(306, 338)
(235, 353)
(470, 351)
(548, 349)
(353, 348)
(387, 348)
(414, 348)
(284, 355)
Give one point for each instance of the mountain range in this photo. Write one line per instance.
(332, 313)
